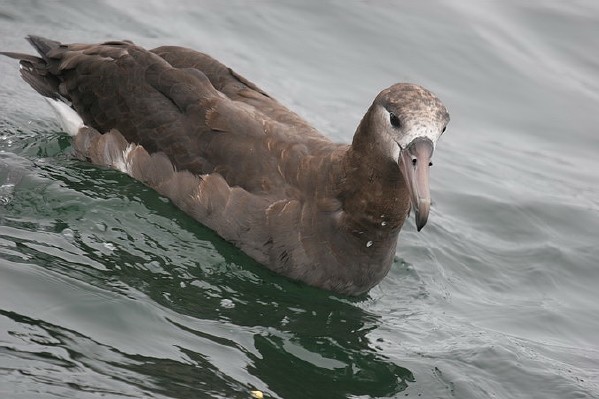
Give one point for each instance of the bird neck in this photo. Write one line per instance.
(375, 192)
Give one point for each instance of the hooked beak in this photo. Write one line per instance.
(414, 162)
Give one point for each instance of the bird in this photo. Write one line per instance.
(239, 162)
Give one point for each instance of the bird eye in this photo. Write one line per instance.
(395, 122)
(443, 131)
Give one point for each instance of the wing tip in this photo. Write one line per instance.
(41, 44)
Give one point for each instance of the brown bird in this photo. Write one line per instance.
(242, 164)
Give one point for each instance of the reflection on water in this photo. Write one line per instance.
(106, 289)
(244, 318)
(343, 373)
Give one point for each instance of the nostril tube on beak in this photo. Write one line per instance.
(415, 161)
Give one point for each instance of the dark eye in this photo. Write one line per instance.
(443, 131)
(395, 122)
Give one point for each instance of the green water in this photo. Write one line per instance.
(108, 290)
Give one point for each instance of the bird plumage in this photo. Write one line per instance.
(241, 163)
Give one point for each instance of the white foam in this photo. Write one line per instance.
(70, 121)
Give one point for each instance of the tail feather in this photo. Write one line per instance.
(22, 56)
(34, 70)
(46, 85)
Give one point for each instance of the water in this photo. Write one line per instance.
(107, 290)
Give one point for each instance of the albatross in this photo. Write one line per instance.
(242, 164)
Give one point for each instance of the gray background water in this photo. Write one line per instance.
(107, 290)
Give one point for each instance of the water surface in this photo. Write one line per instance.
(107, 290)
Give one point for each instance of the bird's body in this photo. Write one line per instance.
(241, 163)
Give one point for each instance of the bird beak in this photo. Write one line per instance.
(414, 162)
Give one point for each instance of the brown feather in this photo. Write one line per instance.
(235, 159)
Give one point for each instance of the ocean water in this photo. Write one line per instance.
(107, 290)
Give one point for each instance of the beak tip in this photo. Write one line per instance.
(421, 214)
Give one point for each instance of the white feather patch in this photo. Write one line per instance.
(124, 164)
(70, 121)
(429, 131)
